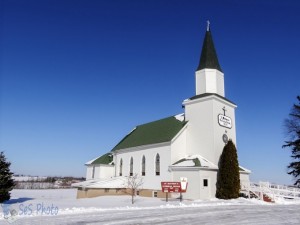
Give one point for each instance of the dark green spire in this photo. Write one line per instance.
(208, 59)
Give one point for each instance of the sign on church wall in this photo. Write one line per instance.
(224, 121)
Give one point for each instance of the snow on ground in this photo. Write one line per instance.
(60, 206)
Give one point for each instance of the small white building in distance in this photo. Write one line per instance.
(185, 145)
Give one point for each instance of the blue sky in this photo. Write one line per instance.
(76, 76)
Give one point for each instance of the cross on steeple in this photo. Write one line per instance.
(224, 109)
(208, 23)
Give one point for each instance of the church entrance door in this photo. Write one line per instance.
(205, 188)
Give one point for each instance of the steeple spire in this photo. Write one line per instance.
(209, 75)
(208, 59)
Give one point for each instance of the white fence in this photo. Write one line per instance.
(273, 191)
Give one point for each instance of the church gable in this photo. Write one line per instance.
(194, 161)
(159, 131)
(188, 162)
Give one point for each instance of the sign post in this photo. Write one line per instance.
(170, 187)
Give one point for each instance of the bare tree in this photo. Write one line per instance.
(292, 125)
(133, 183)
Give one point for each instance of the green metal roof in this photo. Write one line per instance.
(151, 133)
(179, 161)
(197, 162)
(208, 59)
(104, 159)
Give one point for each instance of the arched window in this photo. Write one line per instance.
(121, 167)
(157, 165)
(143, 166)
(131, 167)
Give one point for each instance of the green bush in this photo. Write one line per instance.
(6, 181)
(228, 181)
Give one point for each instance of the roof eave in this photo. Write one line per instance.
(191, 168)
(141, 147)
(207, 96)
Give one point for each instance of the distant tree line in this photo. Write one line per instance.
(46, 183)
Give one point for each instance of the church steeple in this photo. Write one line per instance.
(209, 75)
(208, 59)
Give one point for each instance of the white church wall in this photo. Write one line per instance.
(200, 130)
(150, 180)
(220, 84)
(193, 177)
(201, 183)
(244, 178)
(99, 171)
(96, 172)
(204, 133)
(178, 146)
(89, 172)
(210, 81)
(219, 131)
(93, 172)
(208, 181)
(200, 82)
(105, 171)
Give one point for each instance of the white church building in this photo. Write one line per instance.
(185, 145)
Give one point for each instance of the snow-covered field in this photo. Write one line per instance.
(60, 206)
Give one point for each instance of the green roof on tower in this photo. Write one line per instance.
(208, 59)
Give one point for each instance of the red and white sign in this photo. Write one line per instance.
(169, 187)
(183, 182)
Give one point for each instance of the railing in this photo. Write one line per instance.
(273, 191)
